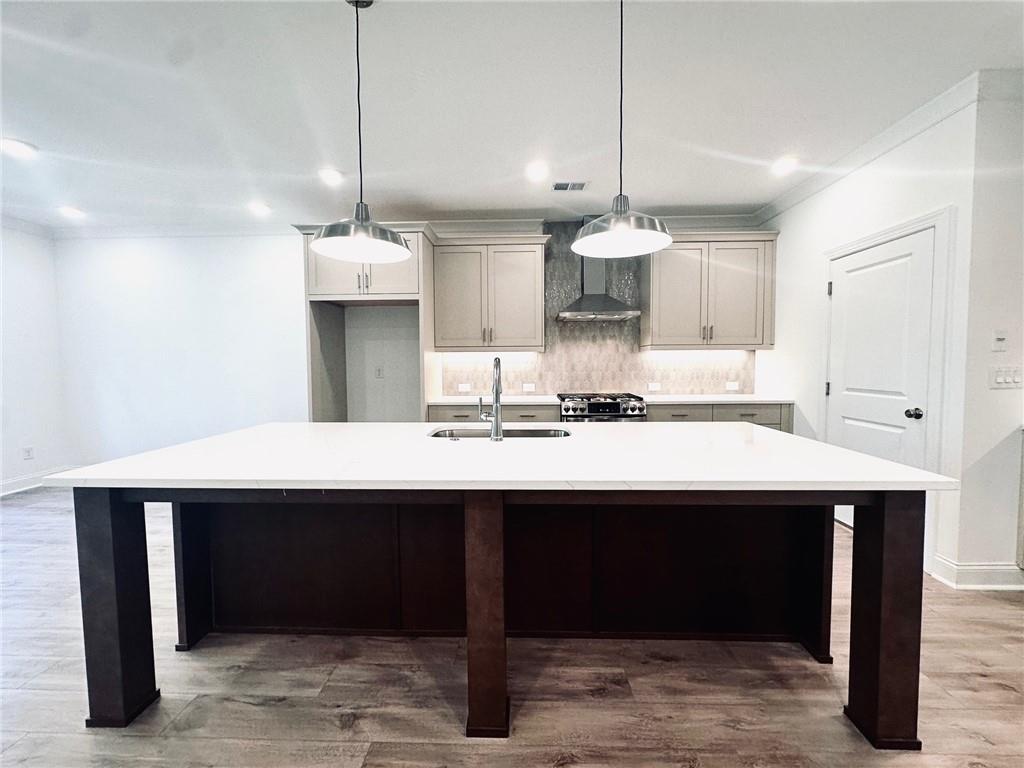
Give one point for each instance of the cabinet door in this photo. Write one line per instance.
(460, 280)
(679, 295)
(403, 277)
(333, 277)
(515, 296)
(736, 278)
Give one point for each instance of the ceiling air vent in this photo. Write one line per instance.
(568, 186)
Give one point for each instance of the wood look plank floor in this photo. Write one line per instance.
(305, 701)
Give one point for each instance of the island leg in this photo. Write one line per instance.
(818, 526)
(193, 585)
(885, 619)
(485, 615)
(116, 618)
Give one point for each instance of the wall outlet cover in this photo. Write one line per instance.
(465, 387)
(28, 454)
(653, 386)
(732, 386)
(529, 386)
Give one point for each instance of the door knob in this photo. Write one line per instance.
(914, 413)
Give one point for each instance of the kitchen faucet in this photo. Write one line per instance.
(494, 415)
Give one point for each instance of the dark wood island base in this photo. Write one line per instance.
(753, 565)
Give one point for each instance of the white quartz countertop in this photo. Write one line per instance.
(654, 398)
(596, 456)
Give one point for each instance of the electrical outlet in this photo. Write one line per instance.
(732, 386)
(653, 386)
(378, 373)
(28, 454)
(529, 386)
(1004, 377)
(465, 387)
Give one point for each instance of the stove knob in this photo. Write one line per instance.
(565, 407)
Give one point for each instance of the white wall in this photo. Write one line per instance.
(385, 338)
(167, 339)
(926, 172)
(33, 413)
(989, 501)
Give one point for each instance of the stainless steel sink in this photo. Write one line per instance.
(458, 434)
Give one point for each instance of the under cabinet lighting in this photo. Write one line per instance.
(20, 150)
(331, 177)
(785, 165)
(259, 208)
(70, 212)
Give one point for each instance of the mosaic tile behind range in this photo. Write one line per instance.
(596, 357)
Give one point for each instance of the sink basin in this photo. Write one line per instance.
(458, 434)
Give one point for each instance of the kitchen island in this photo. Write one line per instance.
(689, 530)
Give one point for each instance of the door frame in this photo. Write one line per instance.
(942, 222)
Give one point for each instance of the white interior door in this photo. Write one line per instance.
(879, 346)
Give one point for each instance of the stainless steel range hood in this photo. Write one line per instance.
(595, 304)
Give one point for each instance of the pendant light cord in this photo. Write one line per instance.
(621, 45)
(359, 107)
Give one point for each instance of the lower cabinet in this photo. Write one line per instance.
(774, 415)
(509, 413)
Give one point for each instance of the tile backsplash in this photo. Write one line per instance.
(601, 357)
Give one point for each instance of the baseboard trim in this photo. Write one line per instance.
(27, 482)
(977, 576)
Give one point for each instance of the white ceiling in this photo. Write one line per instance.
(177, 114)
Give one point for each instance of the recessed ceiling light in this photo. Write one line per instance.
(331, 177)
(259, 208)
(70, 212)
(785, 165)
(537, 170)
(21, 150)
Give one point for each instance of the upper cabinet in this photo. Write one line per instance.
(345, 280)
(710, 294)
(489, 296)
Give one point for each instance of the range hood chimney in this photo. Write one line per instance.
(595, 304)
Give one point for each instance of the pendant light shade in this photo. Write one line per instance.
(360, 239)
(622, 232)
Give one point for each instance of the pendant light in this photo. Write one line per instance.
(360, 239)
(622, 232)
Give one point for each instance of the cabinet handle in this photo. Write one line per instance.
(359, 282)
(491, 339)
(527, 415)
(460, 415)
(711, 333)
(680, 415)
(748, 415)
(703, 333)
(483, 335)
(366, 280)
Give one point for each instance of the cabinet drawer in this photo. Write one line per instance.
(758, 414)
(451, 413)
(529, 413)
(679, 413)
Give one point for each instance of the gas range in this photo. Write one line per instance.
(607, 406)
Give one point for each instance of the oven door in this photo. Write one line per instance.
(604, 417)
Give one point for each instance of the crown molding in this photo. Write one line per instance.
(946, 104)
(28, 227)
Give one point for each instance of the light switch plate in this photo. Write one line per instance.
(1004, 377)
(999, 340)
